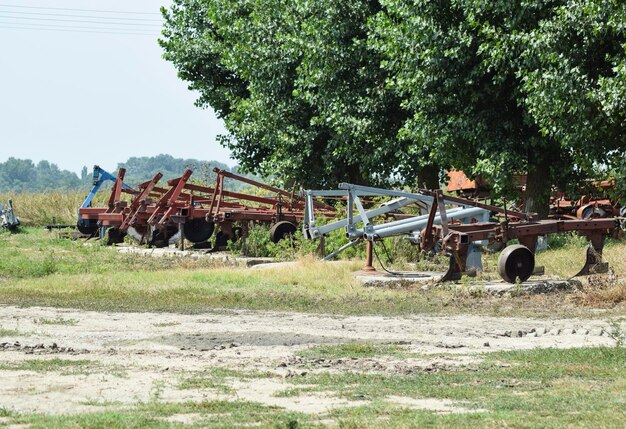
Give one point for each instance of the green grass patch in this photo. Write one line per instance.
(213, 414)
(45, 365)
(36, 253)
(582, 387)
(56, 321)
(38, 269)
(550, 388)
(353, 350)
(217, 379)
(5, 332)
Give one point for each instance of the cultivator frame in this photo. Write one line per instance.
(457, 231)
(159, 216)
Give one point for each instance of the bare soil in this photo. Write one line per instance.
(138, 357)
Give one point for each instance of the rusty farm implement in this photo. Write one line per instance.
(160, 216)
(457, 228)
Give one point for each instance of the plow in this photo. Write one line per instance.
(182, 210)
(457, 228)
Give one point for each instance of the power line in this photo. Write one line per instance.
(77, 31)
(79, 10)
(80, 20)
(81, 16)
(73, 27)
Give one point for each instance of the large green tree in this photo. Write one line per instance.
(301, 92)
(376, 91)
(502, 87)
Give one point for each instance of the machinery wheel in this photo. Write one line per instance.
(140, 234)
(590, 211)
(87, 226)
(281, 230)
(515, 262)
(198, 230)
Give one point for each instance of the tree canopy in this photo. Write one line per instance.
(22, 175)
(17, 175)
(378, 91)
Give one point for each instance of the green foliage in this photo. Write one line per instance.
(557, 241)
(22, 175)
(142, 168)
(258, 244)
(376, 91)
(297, 85)
(17, 175)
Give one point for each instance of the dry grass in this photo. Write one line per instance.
(38, 269)
(43, 208)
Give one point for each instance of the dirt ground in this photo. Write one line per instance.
(134, 357)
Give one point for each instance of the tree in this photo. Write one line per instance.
(506, 86)
(378, 91)
(301, 92)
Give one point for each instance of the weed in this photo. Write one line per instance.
(157, 390)
(44, 365)
(352, 350)
(58, 320)
(4, 332)
(617, 332)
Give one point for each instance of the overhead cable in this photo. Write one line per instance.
(79, 16)
(80, 20)
(77, 31)
(79, 27)
(77, 10)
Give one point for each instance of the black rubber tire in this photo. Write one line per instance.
(87, 226)
(198, 230)
(281, 230)
(516, 262)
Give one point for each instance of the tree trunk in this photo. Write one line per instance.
(538, 183)
(428, 177)
(354, 175)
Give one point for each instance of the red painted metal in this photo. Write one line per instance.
(159, 207)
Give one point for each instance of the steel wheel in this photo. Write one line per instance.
(281, 230)
(515, 262)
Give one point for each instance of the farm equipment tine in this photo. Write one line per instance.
(117, 188)
(454, 272)
(139, 199)
(593, 262)
(169, 198)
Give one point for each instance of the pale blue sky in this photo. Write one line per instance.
(83, 98)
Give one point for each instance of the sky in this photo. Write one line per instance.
(77, 92)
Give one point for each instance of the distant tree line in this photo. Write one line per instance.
(23, 175)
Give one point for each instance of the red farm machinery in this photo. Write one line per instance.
(159, 216)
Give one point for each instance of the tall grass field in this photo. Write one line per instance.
(43, 208)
